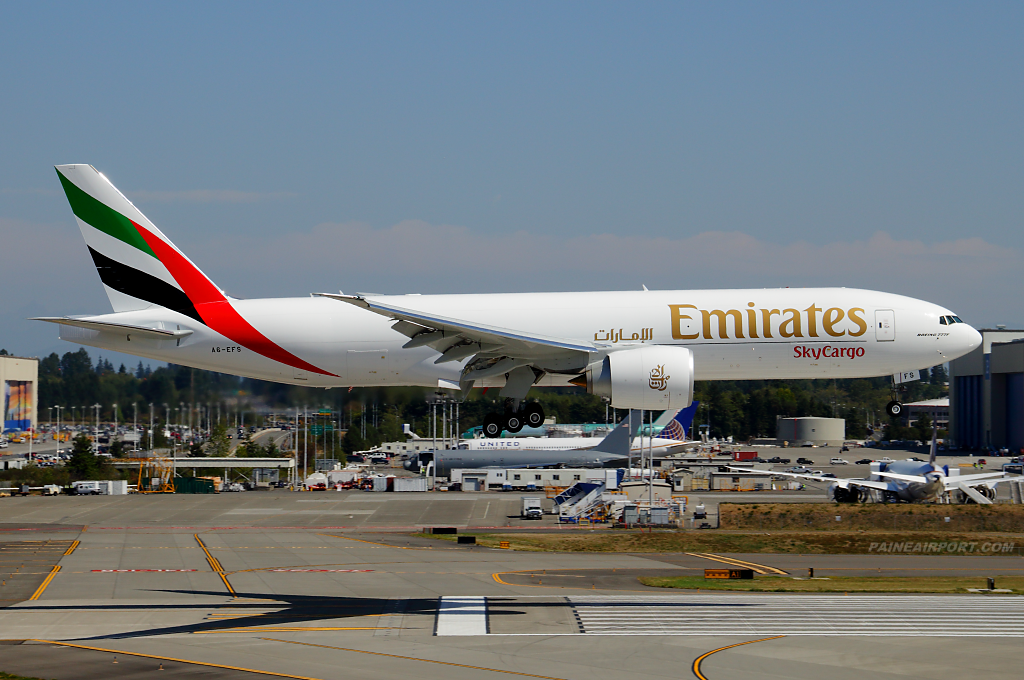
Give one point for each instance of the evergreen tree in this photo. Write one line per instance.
(117, 448)
(83, 463)
(219, 446)
(195, 450)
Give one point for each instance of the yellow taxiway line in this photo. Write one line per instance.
(696, 662)
(413, 658)
(759, 568)
(215, 564)
(42, 587)
(170, 658)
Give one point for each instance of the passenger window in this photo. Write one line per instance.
(515, 476)
(536, 476)
(554, 476)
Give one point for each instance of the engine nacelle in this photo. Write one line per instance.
(651, 378)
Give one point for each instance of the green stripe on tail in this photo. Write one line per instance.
(98, 215)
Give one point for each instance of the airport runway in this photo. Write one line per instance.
(270, 582)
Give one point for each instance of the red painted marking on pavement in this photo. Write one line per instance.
(331, 570)
(124, 570)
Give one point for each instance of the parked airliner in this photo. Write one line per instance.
(640, 349)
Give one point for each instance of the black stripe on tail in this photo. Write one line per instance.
(143, 286)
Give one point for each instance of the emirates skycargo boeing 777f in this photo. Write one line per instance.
(641, 349)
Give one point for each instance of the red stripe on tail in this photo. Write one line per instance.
(216, 310)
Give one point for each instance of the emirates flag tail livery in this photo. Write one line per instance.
(641, 349)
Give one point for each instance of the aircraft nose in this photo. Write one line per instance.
(971, 336)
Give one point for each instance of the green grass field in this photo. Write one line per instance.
(843, 584)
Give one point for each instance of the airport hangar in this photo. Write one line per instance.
(986, 393)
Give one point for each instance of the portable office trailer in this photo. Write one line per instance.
(482, 479)
(410, 484)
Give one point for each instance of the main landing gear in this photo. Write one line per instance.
(513, 420)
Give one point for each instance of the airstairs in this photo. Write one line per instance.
(580, 501)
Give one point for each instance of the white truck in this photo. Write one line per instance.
(531, 508)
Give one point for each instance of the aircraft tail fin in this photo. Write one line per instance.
(679, 427)
(137, 264)
(618, 440)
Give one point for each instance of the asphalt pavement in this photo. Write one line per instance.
(330, 585)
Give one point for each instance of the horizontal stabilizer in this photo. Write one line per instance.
(119, 328)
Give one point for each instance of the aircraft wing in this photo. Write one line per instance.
(497, 350)
(905, 478)
(841, 481)
(988, 478)
(470, 330)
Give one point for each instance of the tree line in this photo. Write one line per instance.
(740, 409)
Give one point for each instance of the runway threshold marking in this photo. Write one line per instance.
(215, 564)
(171, 658)
(71, 548)
(759, 568)
(413, 658)
(697, 662)
(42, 586)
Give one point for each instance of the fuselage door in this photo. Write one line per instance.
(885, 325)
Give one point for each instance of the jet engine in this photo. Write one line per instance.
(651, 378)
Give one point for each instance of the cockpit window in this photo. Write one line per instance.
(942, 321)
(957, 319)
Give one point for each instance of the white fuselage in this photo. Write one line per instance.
(733, 334)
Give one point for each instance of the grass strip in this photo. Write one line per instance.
(842, 584)
(782, 542)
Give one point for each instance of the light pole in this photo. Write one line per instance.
(58, 428)
(96, 440)
(152, 432)
(135, 425)
(114, 435)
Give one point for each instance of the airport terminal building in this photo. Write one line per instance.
(986, 393)
(19, 378)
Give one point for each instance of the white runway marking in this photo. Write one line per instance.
(770, 614)
(462, 616)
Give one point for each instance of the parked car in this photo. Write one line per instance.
(804, 461)
(777, 459)
(864, 461)
(831, 475)
(838, 461)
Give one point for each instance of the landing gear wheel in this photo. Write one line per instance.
(533, 416)
(492, 426)
(894, 408)
(514, 421)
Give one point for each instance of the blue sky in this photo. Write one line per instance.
(457, 147)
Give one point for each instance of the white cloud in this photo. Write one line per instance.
(413, 256)
(208, 196)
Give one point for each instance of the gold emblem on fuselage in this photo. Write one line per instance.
(659, 381)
